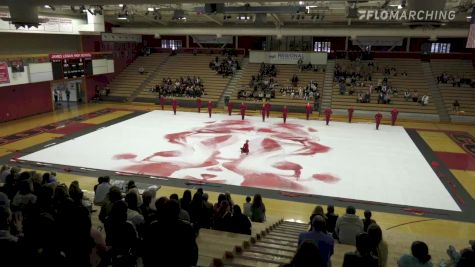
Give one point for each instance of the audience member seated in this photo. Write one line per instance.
(317, 211)
(464, 258)
(348, 227)
(170, 241)
(187, 87)
(419, 256)
(258, 209)
(141, 70)
(367, 221)
(240, 223)
(247, 207)
(121, 236)
(223, 216)
(307, 255)
(113, 196)
(331, 218)
(101, 190)
(226, 66)
(183, 214)
(321, 238)
(379, 247)
(362, 256)
(456, 106)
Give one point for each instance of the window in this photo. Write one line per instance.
(322, 47)
(440, 48)
(173, 44)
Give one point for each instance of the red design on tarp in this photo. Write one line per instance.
(202, 149)
(326, 178)
(125, 156)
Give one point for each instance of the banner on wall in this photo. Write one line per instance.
(70, 56)
(212, 39)
(4, 77)
(290, 58)
(120, 37)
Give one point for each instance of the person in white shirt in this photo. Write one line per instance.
(247, 207)
(101, 191)
(141, 70)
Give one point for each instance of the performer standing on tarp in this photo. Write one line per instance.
(245, 148)
(198, 104)
(285, 111)
(350, 114)
(242, 108)
(174, 105)
(394, 113)
(308, 110)
(210, 108)
(378, 117)
(328, 113)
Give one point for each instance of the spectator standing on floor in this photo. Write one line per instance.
(258, 209)
(102, 190)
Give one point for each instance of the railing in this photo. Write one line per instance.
(206, 51)
(398, 54)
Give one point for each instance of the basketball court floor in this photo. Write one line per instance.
(418, 178)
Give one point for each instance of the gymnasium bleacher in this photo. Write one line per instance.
(414, 80)
(184, 65)
(464, 94)
(283, 78)
(129, 80)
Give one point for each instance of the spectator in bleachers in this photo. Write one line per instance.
(141, 70)
(407, 95)
(424, 101)
(133, 214)
(113, 196)
(101, 190)
(455, 106)
(307, 254)
(294, 80)
(318, 210)
(121, 236)
(197, 210)
(367, 221)
(348, 226)
(9, 245)
(379, 247)
(419, 256)
(223, 216)
(132, 188)
(362, 256)
(239, 222)
(464, 258)
(183, 214)
(208, 212)
(247, 207)
(415, 96)
(24, 198)
(176, 238)
(4, 171)
(319, 236)
(331, 218)
(189, 87)
(145, 209)
(258, 209)
(186, 200)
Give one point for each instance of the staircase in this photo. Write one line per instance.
(435, 92)
(233, 82)
(150, 76)
(328, 85)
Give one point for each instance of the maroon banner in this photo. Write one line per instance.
(4, 77)
(70, 56)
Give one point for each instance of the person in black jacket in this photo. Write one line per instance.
(170, 241)
(239, 222)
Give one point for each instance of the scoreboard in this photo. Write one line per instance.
(70, 66)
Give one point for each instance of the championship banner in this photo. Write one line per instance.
(4, 77)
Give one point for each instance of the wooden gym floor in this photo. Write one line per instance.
(453, 145)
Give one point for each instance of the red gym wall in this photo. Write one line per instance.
(19, 101)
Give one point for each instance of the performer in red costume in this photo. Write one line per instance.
(378, 117)
(285, 111)
(245, 148)
(210, 108)
(328, 113)
(242, 108)
(174, 104)
(230, 108)
(308, 110)
(198, 104)
(268, 106)
(263, 112)
(350, 114)
(394, 113)
(162, 102)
